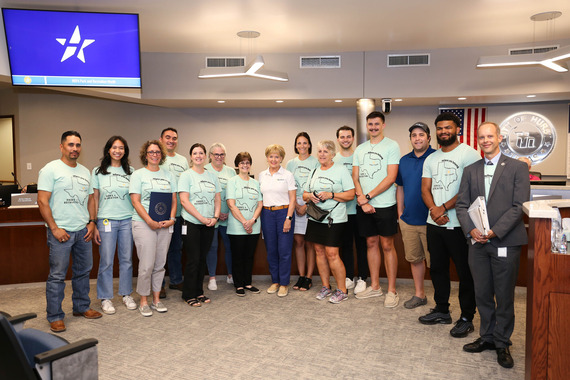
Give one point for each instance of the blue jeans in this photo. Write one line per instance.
(174, 255)
(121, 235)
(82, 256)
(212, 258)
(279, 245)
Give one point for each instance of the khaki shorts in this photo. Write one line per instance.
(415, 243)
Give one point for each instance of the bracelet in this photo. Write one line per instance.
(443, 204)
(332, 195)
(173, 219)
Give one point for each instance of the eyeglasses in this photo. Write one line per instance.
(153, 152)
(245, 163)
(218, 155)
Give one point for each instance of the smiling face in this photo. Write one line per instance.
(324, 156)
(446, 131)
(153, 155)
(274, 160)
(419, 139)
(117, 151)
(244, 166)
(70, 149)
(198, 156)
(217, 155)
(302, 145)
(170, 140)
(345, 139)
(489, 139)
(375, 127)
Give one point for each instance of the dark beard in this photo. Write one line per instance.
(448, 142)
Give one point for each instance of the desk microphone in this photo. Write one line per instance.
(16, 179)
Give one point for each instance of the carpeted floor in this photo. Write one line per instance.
(262, 336)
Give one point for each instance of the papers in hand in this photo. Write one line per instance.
(478, 214)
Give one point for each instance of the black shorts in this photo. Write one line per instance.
(320, 233)
(383, 222)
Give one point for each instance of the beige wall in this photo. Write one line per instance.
(6, 150)
(41, 118)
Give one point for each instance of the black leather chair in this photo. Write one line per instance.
(34, 354)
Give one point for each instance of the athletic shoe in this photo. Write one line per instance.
(145, 311)
(435, 316)
(415, 302)
(462, 328)
(212, 285)
(324, 293)
(107, 307)
(129, 302)
(391, 300)
(230, 280)
(273, 288)
(349, 284)
(159, 307)
(338, 296)
(360, 286)
(369, 293)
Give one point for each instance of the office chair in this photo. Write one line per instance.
(34, 354)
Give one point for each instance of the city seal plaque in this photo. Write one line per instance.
(527, 134)
(160, 208)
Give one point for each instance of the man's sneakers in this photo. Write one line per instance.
(369, 293)
(462, 328)
(435, 316)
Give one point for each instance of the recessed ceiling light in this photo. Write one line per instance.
(279, 101)
(531, 96)
(221, 101)
(338, 101)
(398, 100)
(462, 98)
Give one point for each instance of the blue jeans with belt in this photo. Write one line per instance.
(279, 244)
(82, 256)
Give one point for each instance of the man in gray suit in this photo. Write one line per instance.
(494, 258)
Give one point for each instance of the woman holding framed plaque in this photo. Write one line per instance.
(153, 195)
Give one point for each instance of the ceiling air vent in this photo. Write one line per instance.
(225, 61)
(402, 60)
(530, 50)
(328, 62)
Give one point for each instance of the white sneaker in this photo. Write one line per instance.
(230, 280)
(212, 285)
(129, 302)
(349, 283)
(107, 307)
(360, 286)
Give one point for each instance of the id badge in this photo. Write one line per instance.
(171, 229)
(184, 229)
(502, 252)
(107, 225)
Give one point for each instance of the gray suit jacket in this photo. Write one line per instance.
(510, 187)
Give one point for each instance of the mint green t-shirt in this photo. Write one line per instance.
(302, 170)
(247, 196)
(202, 189)
(224, 176)
(114, 200)
(144, 182)
(445, 170)
(346, 162)
(69, 188)
(335, 179)
(372, 161)
(176, 165)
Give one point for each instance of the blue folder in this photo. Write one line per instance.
(160, 206)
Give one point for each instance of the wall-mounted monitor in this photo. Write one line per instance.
(72, 49)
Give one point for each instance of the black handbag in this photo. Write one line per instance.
(315, 211)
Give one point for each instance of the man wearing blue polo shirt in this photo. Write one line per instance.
(412, 211)
(69, 213)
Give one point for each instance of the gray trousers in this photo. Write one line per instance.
(495, 279)
(152, 247)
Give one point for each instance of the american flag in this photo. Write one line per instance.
(470, 118)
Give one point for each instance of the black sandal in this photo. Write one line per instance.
(203, 299)
(299, 283)
(193, 302)
(307, 284)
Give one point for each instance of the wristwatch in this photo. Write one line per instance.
(368, 196)
(289, 217)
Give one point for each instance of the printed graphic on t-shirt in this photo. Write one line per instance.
(156, 184)
(371, 164)
(301, 175)
(446, 174)
(176, 169)
(244, 194)
(78, 192)
(205, 187)
(114, 181)
(323, 183)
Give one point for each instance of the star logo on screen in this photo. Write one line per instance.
(73, 45)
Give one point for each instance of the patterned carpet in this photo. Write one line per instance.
(262, 336)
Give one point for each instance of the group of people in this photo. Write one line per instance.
(319, 207)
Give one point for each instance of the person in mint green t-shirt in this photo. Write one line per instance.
(216, 166)
(152, 237)
(199, 192)
(245, 203)
(67, 208)
(110, 188)
(302, 166)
